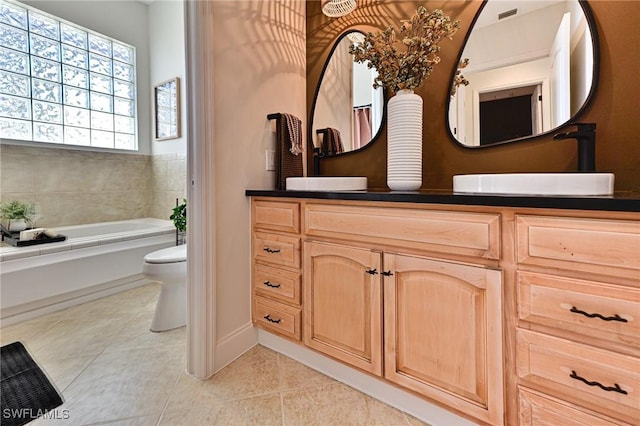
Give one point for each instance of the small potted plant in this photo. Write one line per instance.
(179, 218)
(17, 215)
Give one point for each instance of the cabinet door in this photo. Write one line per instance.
(443, 333)
(343, 303)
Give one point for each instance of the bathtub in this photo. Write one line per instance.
(95, 260)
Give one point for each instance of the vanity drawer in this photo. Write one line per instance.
(277, 283)
(276, 215)
(609, 247)
(541, 410)
(589, 308)
(606, 381)
(277, 317)
(276, 249)
(451, 232)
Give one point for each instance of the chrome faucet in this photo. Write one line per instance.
(585, 134)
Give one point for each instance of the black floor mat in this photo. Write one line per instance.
(25, 391)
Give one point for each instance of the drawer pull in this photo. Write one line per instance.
(270, 250)
(372, 271)
(268, 318)
(616, 317)
(268, 284)
(615, 388)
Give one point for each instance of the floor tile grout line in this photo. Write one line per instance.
(171, 394)
(81, 371)
(282, 409)
(108, 422)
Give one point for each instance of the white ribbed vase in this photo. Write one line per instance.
(404, 141)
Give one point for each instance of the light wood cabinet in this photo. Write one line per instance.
(438, 231)
(343, 303)
(578, 329)
(541, 410)
(443, 333)
(584, 307)
(442, 319)
(607, 247)
(605, 381)
(276, 249)
(276, 264)
(504, 315)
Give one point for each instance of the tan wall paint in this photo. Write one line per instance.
(614, 107)
(259, 64)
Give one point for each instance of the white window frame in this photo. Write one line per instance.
(101, 119)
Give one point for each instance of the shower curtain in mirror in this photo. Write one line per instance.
(361, 126)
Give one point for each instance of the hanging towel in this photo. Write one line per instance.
(332, 142)
(288, 149)
(294, 129)
(361, 127)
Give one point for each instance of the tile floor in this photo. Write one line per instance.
(112, 370)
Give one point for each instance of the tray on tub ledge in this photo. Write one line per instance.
(13, 238)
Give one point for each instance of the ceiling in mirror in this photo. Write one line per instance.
(347, 111)
(532, 67)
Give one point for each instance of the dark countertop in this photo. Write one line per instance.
(626, 202)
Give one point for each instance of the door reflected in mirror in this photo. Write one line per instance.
(347, 111)
(532, 68)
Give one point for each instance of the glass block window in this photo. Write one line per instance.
(61, 83)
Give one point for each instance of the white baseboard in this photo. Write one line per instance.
(233, 345)
(378, 389)
(31, 310)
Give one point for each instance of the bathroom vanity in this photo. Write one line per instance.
(505, 310)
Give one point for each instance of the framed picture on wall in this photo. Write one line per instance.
(166, 109)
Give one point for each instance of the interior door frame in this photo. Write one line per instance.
(201, 247)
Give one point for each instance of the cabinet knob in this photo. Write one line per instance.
(387, 273)
(372, 272)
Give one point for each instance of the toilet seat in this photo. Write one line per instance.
(174, 254)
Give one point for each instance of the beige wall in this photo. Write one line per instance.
(259, 68)
(73, 187)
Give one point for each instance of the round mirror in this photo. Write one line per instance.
(532, 67)
(347, 111)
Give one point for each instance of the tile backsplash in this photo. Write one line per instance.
(73, 187)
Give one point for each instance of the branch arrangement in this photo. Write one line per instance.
(403, 62)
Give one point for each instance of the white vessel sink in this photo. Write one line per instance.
(327, 183)
(536, 183)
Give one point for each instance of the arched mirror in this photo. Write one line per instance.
(347, 111)
(532, 67)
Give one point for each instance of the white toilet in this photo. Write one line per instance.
(169, 268)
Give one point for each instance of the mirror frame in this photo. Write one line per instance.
(317, 92)
(591, 23)
(175, 82)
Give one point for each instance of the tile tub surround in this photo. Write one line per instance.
(168, 182)
(101, 186)
(111, 369)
